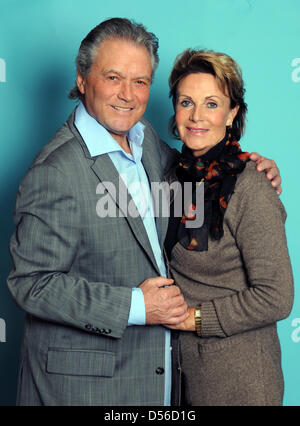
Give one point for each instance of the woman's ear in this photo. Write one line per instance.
(232, 114)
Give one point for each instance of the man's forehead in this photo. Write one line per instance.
(123, 55)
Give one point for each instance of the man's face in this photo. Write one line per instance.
(116, 91)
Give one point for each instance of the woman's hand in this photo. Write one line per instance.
(187, 325)
(270, 168)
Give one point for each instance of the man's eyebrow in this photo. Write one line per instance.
(112, 71)
(144, 77)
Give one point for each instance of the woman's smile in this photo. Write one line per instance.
(197, 131)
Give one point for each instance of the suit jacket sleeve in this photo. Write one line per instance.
(43, 249)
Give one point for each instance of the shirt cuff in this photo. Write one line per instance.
(137, 313)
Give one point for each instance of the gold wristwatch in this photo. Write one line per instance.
(198, 321)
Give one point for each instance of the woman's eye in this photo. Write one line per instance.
(212, 105)
(185, 103)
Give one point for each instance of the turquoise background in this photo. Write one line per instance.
(39, 40)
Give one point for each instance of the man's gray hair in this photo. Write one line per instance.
(113, 29)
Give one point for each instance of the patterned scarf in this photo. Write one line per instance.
(218, 170)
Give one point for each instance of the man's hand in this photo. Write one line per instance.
(164, 302)
(187, 325)
(270, 169)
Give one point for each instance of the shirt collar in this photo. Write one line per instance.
(97, 138)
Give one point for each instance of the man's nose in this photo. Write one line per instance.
(126, 92)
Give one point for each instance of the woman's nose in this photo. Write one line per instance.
(197, 113)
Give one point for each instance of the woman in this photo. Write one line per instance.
(235, 270)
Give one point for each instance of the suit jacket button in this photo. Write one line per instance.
(160, 370)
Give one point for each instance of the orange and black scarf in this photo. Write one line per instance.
(218, 170)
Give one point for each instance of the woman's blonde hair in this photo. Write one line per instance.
(228, 75)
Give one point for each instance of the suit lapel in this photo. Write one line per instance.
(151, 162)
(105, 170)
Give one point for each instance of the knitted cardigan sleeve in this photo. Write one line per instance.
(258, 227)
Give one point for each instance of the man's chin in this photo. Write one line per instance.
(120, 130)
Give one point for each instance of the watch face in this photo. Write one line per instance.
(197, 313)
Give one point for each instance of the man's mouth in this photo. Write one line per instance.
(119, 108)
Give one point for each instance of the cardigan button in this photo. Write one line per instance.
(160, 371)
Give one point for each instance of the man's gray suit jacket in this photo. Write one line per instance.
(73, 272)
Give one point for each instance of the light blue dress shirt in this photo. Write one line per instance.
(132, 171)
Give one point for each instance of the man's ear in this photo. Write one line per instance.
(80, 80)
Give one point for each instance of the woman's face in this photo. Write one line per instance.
(202, 112)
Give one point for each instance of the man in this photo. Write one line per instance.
(94, 286)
